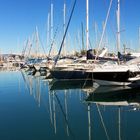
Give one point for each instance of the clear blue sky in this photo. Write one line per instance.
(18, 19)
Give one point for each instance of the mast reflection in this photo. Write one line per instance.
(73, 106)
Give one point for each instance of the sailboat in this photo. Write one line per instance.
(75, 70)
(120, 74)
(109, 73)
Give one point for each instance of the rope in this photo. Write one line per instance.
(104, 27)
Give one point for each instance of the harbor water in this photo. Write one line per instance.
(35, 108)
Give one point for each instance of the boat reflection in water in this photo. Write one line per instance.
(69, 87)
(72, 84)
(121, 96)
(125, 99)
(82, 110)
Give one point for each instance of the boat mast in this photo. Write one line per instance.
(52, 25)
(37, 43)
(139, 36)
(64, 26)
(96, 40)
(48, 30)
(87, 24)
(0, 56)
(118, 26)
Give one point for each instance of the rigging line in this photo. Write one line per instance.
(42, 45)
(104, 27)
(123, 19)
(24, 49)
(83, 44)
(102, 121)
(31, 43)
(90, 44)
(78, 41)
(113, 30)
(65, 118)
(65, 34)
(52, 43)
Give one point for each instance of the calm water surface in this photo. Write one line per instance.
(32, 108)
